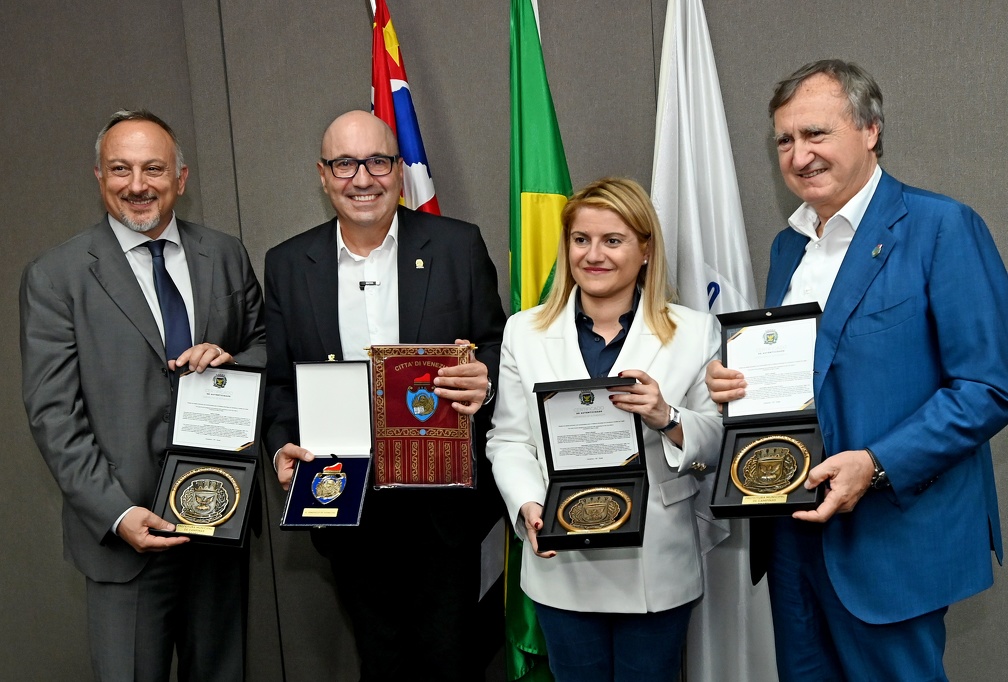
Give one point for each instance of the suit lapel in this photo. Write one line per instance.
(867, 254)
(322, 278)
(563, 354)
(792, 249)
(416, 260)
(115, 275)
(640, 347)
(201, 264)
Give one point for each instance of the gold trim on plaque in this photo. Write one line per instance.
(594, 511)
(770, 471)
(204, 488)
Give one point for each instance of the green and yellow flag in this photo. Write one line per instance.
(540, 181)
(540, 186)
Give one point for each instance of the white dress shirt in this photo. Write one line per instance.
(368, 295)
(813, 278)
(139, 257)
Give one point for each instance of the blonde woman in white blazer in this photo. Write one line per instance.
(612, 614)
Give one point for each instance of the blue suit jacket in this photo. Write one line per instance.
(911, 361)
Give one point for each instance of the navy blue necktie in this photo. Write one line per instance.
(178, 338)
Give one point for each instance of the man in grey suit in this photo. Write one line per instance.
(97, 386)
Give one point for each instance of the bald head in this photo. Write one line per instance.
(361, 126)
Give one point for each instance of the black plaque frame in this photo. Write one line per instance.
(630, 478)
(778, 429)
(241, 464)
(178, 464)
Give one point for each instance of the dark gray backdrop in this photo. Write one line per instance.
(250, 86)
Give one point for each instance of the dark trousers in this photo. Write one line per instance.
(817, 638)
(192, 598)
(614, 647)
(413, 607)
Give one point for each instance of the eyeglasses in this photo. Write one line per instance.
(344, 167)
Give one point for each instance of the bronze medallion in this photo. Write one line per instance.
(594, 510)
(205, 501)
(771, 466)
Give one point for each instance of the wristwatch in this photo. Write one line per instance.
(673, 419)
(879, 480)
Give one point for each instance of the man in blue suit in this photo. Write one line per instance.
(910, 381)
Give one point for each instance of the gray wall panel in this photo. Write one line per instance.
(211, 114)
(288, 74)
(606, 114)
(250, 86)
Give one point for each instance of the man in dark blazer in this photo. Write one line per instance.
(97, 387)
(409, 575)
(910, 383)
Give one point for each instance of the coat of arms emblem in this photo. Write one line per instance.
(329, 483)
(421, 399)
(204, 501)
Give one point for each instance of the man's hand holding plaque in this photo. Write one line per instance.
(765, 393)
(849, 474)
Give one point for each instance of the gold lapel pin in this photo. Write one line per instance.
(419, 264)
(876, 251)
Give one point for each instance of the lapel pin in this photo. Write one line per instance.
(419, 264)
(331, 357)
(876, 251)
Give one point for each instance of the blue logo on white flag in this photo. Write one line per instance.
(713, 291)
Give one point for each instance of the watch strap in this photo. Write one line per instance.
(879, 479)
(674, 419)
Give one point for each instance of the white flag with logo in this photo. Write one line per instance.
(695, 192)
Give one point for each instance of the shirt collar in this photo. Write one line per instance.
(391, 239)
(625, 320)
(805, 220)
(129, 239)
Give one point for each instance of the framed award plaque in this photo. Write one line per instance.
(207, 499)
(771, 437)
(208, 475)
(334, 421)
(597, 493)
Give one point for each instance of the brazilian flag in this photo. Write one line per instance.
(540, 186)
(540, 181)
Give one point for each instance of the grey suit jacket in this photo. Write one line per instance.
(94, 377)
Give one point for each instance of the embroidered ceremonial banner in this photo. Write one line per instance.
(420, 440)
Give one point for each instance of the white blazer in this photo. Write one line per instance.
(666, 571)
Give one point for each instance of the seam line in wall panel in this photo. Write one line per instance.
(230, 120)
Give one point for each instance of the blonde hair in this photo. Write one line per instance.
(628, 200)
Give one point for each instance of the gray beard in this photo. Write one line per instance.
(139, 227)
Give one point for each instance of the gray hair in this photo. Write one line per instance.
(138, 115)
(863, 94)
